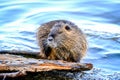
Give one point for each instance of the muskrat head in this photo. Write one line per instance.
(60, 34)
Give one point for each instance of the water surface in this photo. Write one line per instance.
(100, 20)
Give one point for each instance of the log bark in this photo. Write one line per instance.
(22, 65)
(13, 74)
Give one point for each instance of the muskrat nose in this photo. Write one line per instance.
(50, 38)
(52, 35)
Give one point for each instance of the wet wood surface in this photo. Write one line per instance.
(16, 65)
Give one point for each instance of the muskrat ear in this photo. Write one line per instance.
(67, 27)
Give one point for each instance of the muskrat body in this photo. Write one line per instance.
(61, 40)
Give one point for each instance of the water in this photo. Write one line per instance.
(99, 20)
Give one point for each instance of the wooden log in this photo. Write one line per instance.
(13, 74)
(22, 65)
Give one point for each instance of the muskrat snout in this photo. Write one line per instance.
(51, 42)
(50, 39)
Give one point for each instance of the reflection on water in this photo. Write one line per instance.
(19, 21)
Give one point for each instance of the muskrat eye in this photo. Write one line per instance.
(67, 27)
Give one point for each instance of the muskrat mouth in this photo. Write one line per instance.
(51, 43)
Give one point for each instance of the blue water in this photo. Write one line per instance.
(100, 20)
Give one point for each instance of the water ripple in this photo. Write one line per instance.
(99, 20)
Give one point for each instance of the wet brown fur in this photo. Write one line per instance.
(71, 45)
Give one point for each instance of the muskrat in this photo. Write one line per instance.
(61, 40)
